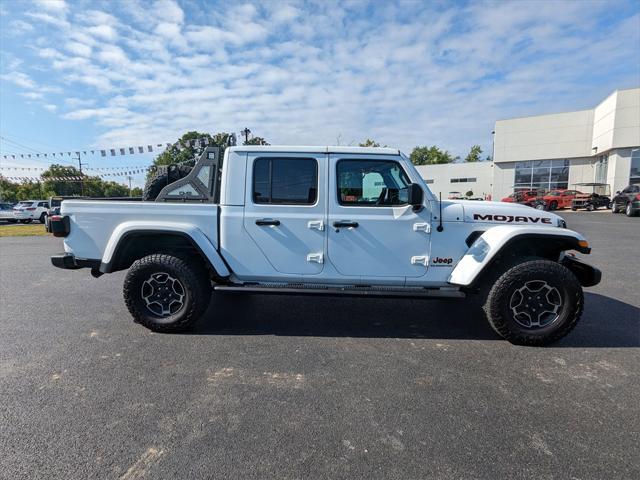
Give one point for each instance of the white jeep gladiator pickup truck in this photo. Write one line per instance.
(332, 221)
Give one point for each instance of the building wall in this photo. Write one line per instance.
(619, 168)
(560, 135)
(439, 178)
(581, 170)
(604, 116)
(503, 180)
(627, 122)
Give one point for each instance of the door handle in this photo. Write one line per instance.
(267, 222)
(345, 223)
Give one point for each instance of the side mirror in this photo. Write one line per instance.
(415, 195)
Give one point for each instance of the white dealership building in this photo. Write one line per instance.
(601, 144)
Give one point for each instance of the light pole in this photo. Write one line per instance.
(81, 179)
(246, 133)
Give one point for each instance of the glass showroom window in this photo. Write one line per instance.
(547, 174)
(634, 177)
(601, 168)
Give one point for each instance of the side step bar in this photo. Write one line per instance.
(351, 291)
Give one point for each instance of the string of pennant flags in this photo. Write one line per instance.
(73, 169)
(113, 152)
(74, 177)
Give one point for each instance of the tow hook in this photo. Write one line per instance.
(96, 273)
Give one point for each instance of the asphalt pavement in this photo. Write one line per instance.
(306, 387)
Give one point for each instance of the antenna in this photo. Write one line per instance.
(440, 227)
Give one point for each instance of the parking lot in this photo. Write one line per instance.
(306, 387)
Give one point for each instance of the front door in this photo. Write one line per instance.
(372, 231)
(285, 208)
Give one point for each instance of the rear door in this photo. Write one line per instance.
(372, 231)
(285, 209)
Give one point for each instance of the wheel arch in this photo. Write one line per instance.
(505, 245)
(128, 243)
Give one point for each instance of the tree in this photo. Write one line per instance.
(136, 192)
(469, 193)
(184, 149)
(369, 143)
(8, 191)
(256, 141)
(474, 154)
(430, 156)
(53, 183)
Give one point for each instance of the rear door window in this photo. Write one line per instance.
(285, 181)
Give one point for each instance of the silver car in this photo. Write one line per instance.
(6, 213)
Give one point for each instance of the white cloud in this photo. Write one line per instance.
(50, 107)
(18, 27)
(113, 55)
(104, 32)
(169, 11)
(20, 79)
(54, 6)
(77, 48)
(32, 95)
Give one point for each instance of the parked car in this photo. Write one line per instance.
(557, 199)
(29, 210)
(627, 200)
(6, 213)
(520, 196)
(598, 197)
(529, 197)
(326, 221)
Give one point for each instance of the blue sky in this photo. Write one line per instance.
(90, 74)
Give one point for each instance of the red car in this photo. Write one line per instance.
(556, 199)
(521, 196)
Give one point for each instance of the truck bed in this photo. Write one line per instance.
(93, 223)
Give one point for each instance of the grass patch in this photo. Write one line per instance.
(22, 230)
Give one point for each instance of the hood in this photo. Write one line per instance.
(504, 213)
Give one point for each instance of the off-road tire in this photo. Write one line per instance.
(163, 177)
(501, 318)
(193, 278)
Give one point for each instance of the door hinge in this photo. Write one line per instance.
(316, 224)
(422, 227)
(315, 258)
(420, 260)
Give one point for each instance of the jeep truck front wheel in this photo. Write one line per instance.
(166, 293)
(535, 303)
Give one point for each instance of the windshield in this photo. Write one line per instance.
(554, 194)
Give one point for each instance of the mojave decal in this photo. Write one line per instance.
(510, 218)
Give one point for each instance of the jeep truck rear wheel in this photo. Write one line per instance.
(535, 303)
(166, 293)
